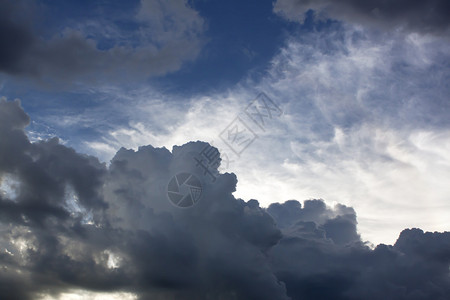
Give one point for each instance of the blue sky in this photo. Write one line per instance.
(363, 88)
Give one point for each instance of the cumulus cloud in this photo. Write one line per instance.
(75, 224)
(419, 16)
(164, 35)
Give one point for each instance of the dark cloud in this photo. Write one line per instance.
(417, 15)
(326, 259)
(15, 36)
(74, 223)
(164, 36)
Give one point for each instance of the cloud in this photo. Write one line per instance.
(14, 34)
(417, 16)
(359, 109)
(365, 123)
(338, 224)
(216, 249)
(321, 257)
(75, 224)
(165, 35)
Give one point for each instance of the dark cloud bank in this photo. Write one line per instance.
(424, 16)
(70, 222)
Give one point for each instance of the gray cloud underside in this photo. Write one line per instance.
(416, 15)
(70, 215)
(167, 33)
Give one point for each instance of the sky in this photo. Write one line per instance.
(207, 149)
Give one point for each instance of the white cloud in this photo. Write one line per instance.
(81, 294)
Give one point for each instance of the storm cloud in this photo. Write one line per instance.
(71, 222)
(417, 15)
